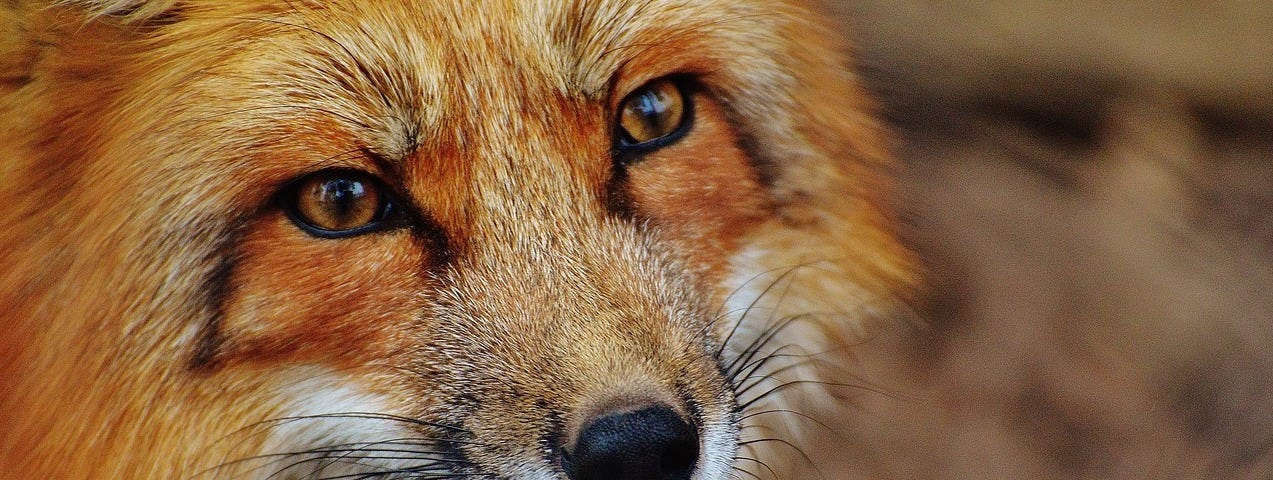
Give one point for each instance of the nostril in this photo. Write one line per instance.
(653, 443)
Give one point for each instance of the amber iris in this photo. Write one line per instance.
(338, 201)
(654, 111)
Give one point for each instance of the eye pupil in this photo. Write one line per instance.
(336, 202)
(653, 112)
(341, 196)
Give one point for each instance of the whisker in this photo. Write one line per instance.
(748, 370)
(341, 447)
(766, 336)
(758, 462)
(794, 447)
(419, 455)
(754, 348)
(792, 383)
(793, 412)
(746, 311)
(757, 380)
(417, 448)
(432, 465)
(414, 472)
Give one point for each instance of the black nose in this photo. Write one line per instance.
(653, 443)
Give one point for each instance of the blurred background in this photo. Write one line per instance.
(1091, 186)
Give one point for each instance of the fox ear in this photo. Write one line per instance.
(129, 10)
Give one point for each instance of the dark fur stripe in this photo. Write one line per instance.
(217, 288)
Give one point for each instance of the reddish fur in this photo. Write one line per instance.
(158, 305)
(704, 190)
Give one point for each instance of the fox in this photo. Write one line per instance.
(560, 239)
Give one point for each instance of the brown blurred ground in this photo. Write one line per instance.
(1091, 185)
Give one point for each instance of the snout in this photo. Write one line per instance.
(648, 443)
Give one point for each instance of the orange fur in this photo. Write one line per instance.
(165, 319)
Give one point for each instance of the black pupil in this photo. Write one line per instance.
(652, 108)
(341, 196)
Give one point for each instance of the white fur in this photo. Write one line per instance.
(305, 426)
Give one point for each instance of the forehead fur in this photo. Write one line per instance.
(586, 41)
(414, 70)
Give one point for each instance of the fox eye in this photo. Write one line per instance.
(652, 115)
(335, 204)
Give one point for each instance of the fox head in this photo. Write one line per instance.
(564, 239)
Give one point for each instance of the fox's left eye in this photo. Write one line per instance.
(336, 203)
(653, 114)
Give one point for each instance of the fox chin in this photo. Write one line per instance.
(561, 239)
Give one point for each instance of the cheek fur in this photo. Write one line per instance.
(703, 190)
(302, 298)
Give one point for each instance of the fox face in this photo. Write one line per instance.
(523, 240)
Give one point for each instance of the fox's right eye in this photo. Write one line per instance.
(333, 204)
(653, 115)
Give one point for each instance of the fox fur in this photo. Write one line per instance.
(162, 318)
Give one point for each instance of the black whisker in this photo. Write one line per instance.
(757, 345)
(791, 383)
(754, 302)
(344, 447)
(792, 412)
(793, 446)
(421, 473)
(758, 462)
(432, 450)
(417, 455)
(748, 370)
(773, 375)
(745, 356)
(754, 278)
